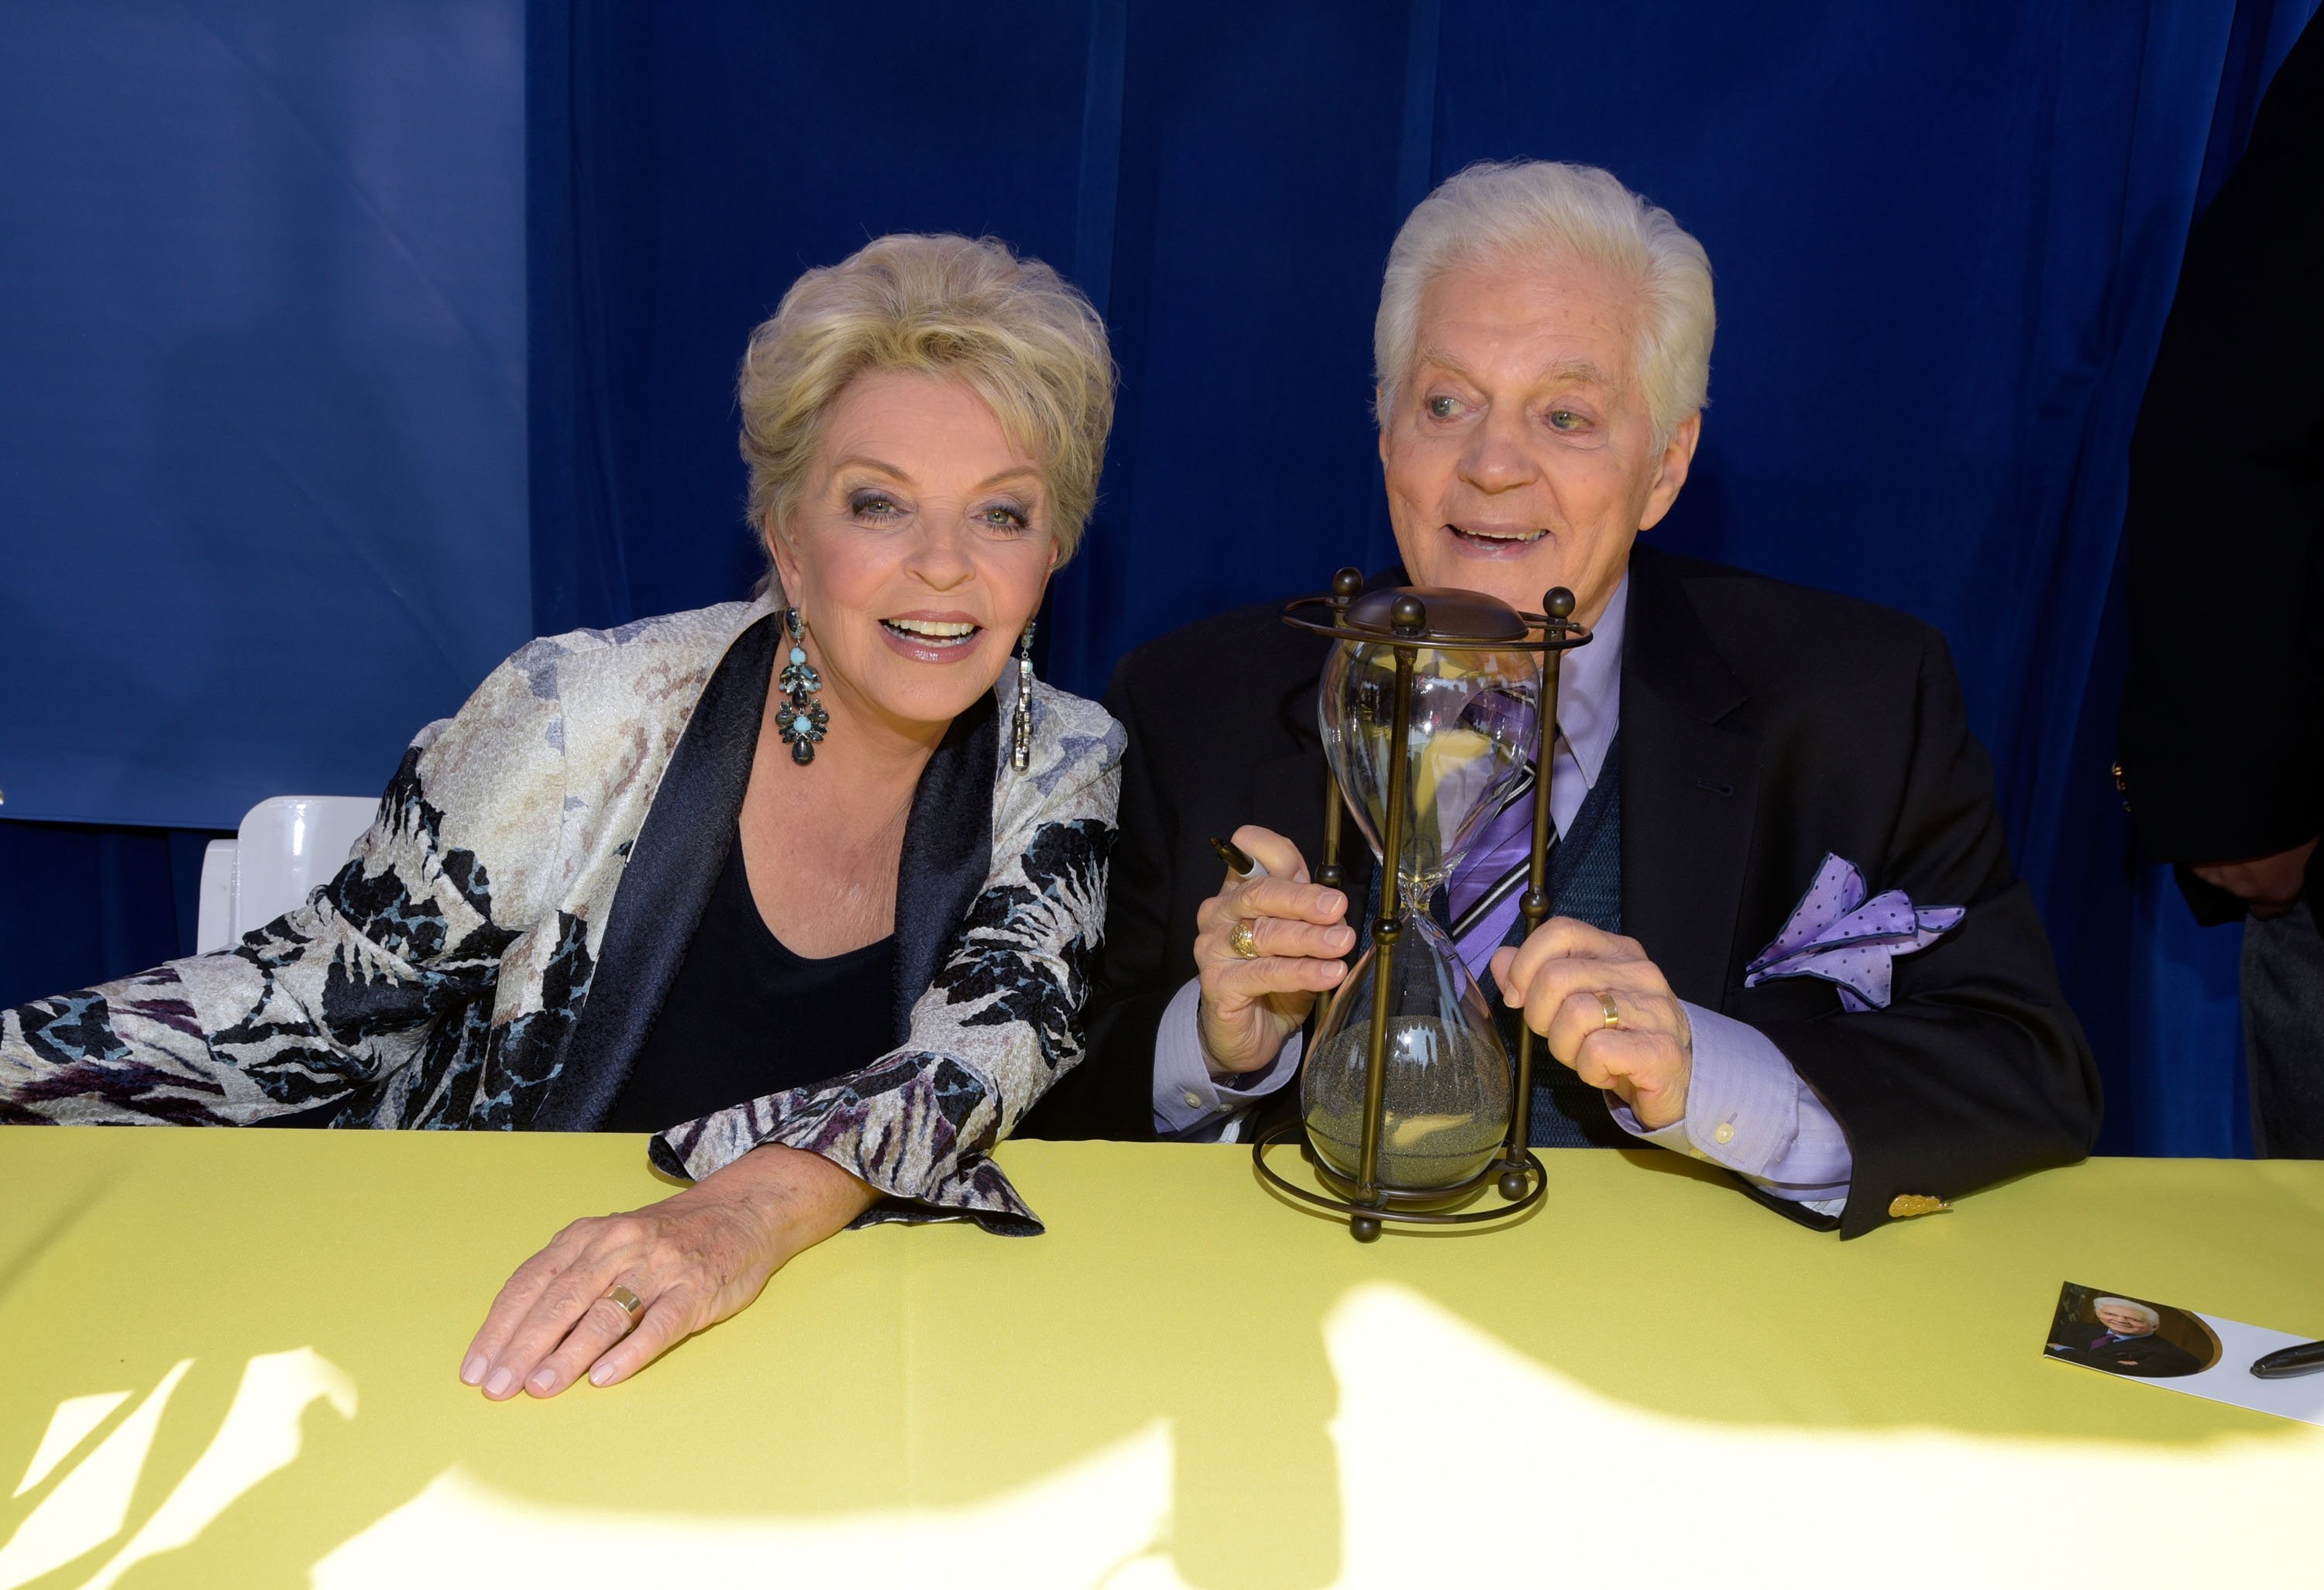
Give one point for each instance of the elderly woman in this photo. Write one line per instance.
(806, 887)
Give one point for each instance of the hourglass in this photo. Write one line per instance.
(1434, 705)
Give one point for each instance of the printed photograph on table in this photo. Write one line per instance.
(2129, 1336)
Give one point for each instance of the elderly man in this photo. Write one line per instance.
(1736, 761)
(2123, 1341)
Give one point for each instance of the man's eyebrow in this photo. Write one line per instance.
(1580, 370)
(1576, 370)
(1448, 361)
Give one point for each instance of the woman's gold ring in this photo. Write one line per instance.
(1240, 941)
(627, 1302)
(1613, 1011)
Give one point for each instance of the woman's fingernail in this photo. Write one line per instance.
(502, 1380)
(601, 1374)
(473, 1371)
(543, 1381)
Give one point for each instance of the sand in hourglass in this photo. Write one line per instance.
(1447, 1099)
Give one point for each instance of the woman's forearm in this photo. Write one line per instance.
(610, 1294)
(792, 1198)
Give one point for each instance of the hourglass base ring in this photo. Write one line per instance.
(1408, 1206)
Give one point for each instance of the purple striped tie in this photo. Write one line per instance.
(1504, 842)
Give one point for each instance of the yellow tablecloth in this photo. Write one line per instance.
(1650, 1380)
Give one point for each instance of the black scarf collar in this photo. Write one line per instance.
(679, 849)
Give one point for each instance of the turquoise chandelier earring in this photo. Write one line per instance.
(803, 719)
(1020, 722)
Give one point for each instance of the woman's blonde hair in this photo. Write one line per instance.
(1022, 337)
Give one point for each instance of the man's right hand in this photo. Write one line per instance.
(2268, 885)
(1249, 1008)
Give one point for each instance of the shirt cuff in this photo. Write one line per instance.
(1748, 1111)
(1186, 1097)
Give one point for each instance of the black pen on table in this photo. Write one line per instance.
(2299, 1358)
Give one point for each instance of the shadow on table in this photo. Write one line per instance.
(1224, 1375)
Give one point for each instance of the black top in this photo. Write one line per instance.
(745, 1017)
(674, 865)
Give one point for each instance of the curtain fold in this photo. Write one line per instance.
(1945, 237)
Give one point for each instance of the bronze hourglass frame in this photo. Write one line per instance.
(1515, 1171)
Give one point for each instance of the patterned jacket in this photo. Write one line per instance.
(493, 954)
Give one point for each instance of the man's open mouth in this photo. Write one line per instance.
(1497, 535)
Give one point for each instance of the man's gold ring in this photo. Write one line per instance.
(1240, 941)
(627, 1302)
(1613, 1011)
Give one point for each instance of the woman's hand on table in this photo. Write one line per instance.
(693, 1260)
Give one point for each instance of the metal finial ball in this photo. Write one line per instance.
(1348, 583)
(1513, 1185)
(1364, 1227)
(1409, 616)
(1558, 603)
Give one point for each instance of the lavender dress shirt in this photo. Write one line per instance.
(1746, 1109)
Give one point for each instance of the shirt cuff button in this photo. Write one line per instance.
(1726, 1132)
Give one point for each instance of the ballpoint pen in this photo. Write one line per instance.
(2300, 1358)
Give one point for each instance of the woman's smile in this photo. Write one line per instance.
(932, 638)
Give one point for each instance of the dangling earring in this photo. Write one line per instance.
(1020, 726)
(804, 719)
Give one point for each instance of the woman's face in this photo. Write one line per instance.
(918, 552)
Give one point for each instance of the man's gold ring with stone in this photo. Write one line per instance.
(627, 1302)
(1240, 941)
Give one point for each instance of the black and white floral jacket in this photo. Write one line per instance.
(495, 953)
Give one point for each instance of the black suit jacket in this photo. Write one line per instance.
(2149, 1356)
(1762, 725)
(2222, 738)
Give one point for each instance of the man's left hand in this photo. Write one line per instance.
(1565, 974)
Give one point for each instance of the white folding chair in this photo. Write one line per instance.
(285, 848)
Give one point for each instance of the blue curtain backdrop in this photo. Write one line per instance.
(261, 390)
(1945, 234)
(262, 393)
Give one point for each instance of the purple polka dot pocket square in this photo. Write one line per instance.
(1837, 935)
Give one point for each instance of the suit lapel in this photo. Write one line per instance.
(1690, 782)
(947, 850)
(673, 862)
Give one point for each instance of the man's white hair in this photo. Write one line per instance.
(2125, 1306)
(1550, 213)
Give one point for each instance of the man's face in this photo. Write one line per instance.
(2123, 1322)
(1520, 455)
